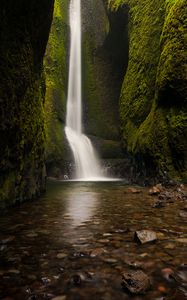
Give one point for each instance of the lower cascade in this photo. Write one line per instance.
(86, 161)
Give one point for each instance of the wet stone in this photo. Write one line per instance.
(76, 280)
(167, 272)
(110, 260)
(46, 280)
(136, 282)
(32, 235)
(107, 234)
(63, 297)
(97, 252)
(155, 190)
(182, 240)
(145, 236)
(14, 271)
(79, 255)
(7, 240)
(183, 214)
(103, 241)
(158, 204)
(133, 191)
(61, 255)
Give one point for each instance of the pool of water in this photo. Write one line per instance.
(77, 240)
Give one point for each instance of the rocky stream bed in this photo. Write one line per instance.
(101, 241)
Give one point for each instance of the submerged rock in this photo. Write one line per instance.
(158, 204)
(97, 252)
(136, 282)
(155, 190)
(7, 240)
(61, 255)
(145, 236)
(63, 297)
(183, 214)
(76, 279)
(134, 191)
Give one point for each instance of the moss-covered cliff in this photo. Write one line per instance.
(24, 30)
(56, 74)
(154, 93)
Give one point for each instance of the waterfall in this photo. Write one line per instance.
(87, 164)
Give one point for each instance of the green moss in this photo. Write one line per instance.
(154, 93)
(22, 90)
(56, 82)
(171, 78)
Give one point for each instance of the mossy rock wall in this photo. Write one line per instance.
(24, 30)
(154, 92)
(56, 74)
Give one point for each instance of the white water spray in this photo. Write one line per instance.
(87, 164)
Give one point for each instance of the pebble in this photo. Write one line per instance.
(170, 246)
(7, 240)
(103, 241)
(76, 280)
(144, 254)
(133, 191)
(97, 252)
(183, 214)
(154, 191)
(32, 235)
(111, 260)
(107, 234)
(182, 240)
(14, 271)
(167, 273)
(63, 297)
(61, 255)
(162, 289)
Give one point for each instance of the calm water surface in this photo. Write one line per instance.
(79, 237)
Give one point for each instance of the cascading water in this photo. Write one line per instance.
(87, 164)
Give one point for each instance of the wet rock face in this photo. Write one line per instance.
(24, 29)
(105, 42)
(94, 21)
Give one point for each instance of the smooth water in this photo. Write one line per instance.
(87, 230)
(86, 161)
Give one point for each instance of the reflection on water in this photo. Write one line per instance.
(87, 229)
(81, 206)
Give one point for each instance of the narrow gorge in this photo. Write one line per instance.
(93, 149)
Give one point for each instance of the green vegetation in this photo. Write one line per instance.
(22, 92)
(154, 92)
(56, 81)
